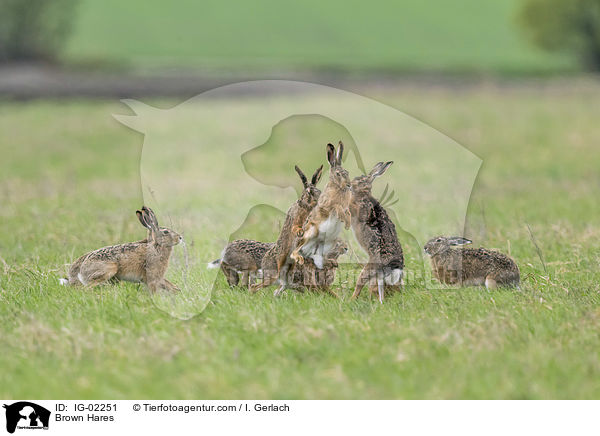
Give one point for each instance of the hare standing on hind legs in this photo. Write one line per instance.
(145, 261)
(320, 232)
(276, 263)
(377, 235)
(470, 266)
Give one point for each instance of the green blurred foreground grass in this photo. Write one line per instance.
(69, 178)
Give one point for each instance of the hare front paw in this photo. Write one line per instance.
(296, 257)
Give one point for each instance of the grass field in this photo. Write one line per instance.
(462, 35)
(69, 181)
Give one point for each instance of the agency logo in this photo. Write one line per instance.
(26, 415)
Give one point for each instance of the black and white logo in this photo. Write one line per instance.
(26, 415)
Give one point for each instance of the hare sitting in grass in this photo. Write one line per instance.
(377, 235)
(313, 278)
(242, 256)
(144, 261)
(307, 276)
(470, 266)
(324, 223)
(277, 262)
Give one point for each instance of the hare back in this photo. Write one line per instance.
(471, 266)
(245, 254)
(131, 260)
(487, 260)
(118, 252)
(376, 232)
(112, 253)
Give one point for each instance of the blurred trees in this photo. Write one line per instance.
(565, 25)
(34, 29)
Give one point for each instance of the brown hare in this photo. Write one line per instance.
(242, 256)
(144, 261)
(277, 262)
(308, 276)
(324, 223)
(470, 266)
(313, 278)
(377, 235)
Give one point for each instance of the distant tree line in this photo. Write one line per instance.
(564, 25)
(34, 29)
(38, 29)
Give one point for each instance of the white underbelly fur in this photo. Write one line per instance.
(319, 247)
(394, 277)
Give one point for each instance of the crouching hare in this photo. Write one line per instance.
(308, 276)
(377, 235)
(144, 261)
(242, 256)
(470, 266)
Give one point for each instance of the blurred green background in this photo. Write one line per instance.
(504, 36)
(458, 35)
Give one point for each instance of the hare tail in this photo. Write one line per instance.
(214, 264)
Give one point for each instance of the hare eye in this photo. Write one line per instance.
(164, 232)
(438, 240)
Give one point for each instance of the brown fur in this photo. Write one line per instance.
(377, 235)
(334, 203)
(307, 276)
(144, 261)
(245, 256)
(470, 266)
(295, 217)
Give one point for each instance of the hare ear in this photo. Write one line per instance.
(379, 169)
(373, 172)
(340, 152)
(457, 240)
(140, 216)
(317, 176)
(150, 218)
(331, 155)
(302, 176)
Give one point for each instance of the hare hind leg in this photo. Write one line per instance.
(309, 234)
(246, 278)
(361, 281)
(269, 276)
(96, 273)
(328, 289)
(491, 283)
(380, 286)
(286, 276)
(231, 275)
(506, 278)
(168, 286)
